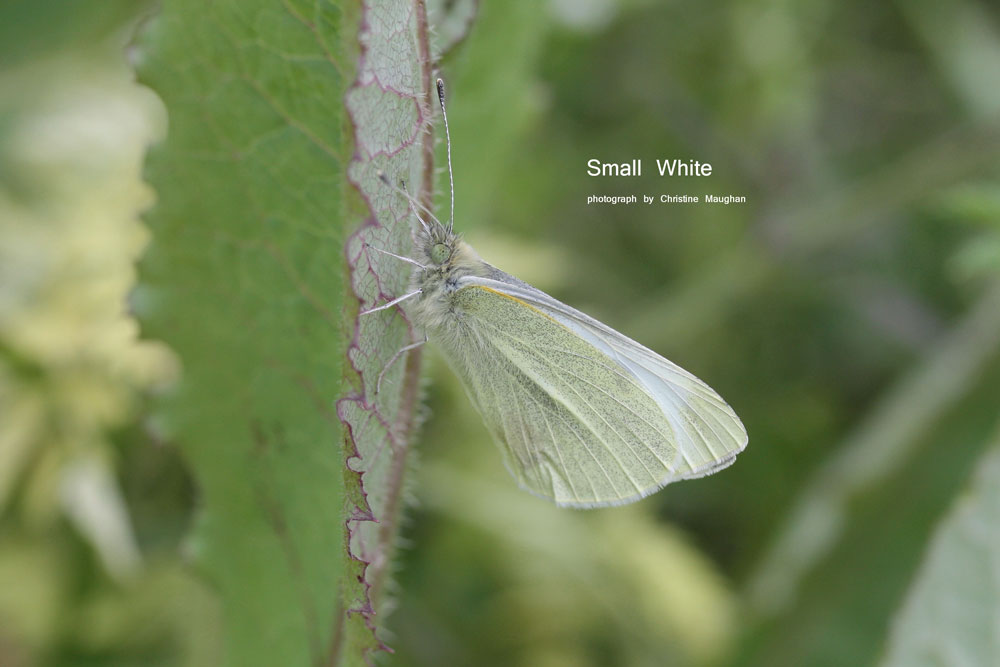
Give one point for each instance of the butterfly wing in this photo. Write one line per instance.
(584, 415)
(709, 434)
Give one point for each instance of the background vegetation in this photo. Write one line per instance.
(849, 311)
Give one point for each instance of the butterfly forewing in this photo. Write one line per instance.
(709, 434)
(574, 425)
(657, 422)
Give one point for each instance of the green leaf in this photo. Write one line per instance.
(243, 278)
(950, 615)
(389, 108)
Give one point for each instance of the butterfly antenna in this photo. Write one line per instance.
(414, 204)
(447, 136)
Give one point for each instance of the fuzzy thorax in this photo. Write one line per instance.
(434, 307)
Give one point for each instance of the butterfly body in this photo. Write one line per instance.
(434, 307)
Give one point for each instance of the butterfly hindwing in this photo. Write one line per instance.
(704, 433)
(574, 425)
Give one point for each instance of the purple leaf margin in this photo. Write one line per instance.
(389, 111)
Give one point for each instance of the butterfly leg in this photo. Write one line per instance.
(403, 350)
(399, 257)
(390, 304)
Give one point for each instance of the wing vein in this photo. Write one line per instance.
(611, 396)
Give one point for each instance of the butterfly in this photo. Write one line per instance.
(584, 415)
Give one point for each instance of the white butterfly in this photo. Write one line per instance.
(584, 415)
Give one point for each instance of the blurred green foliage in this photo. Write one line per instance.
(848, 311)
(93, 504)
(956, 591)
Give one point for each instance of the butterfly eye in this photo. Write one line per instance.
(440, 253)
